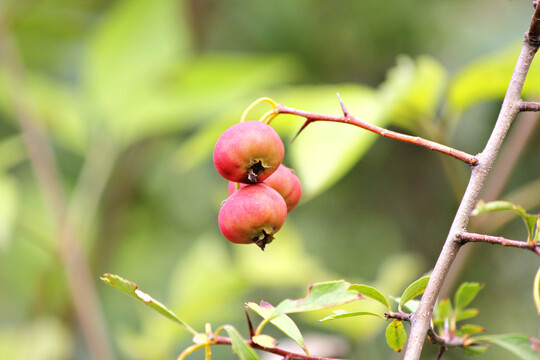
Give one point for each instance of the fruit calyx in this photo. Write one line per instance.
(264, 238)
(255, 167)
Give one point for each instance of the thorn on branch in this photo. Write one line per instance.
(308, 121)
(343, 108)
(250, 325)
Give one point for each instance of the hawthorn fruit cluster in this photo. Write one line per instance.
(250, 154)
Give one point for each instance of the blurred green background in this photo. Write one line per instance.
(131, 96)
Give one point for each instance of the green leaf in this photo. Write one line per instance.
(342, 314)
(132, 290)
(396, 335)
(517, 344)
(320, 296)
(412, 90)
(474, 349)
(415, 289)
(444, 309)
(471, 329)
(130, 49)
(466, 314)
(239, 345)
(264, 341)
(499, 205)
(372, 293)
(536, 237)
(529, 219)
(465, 294)
(487, 78)
(282, 322)
(202, 90)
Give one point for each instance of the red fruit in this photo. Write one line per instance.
(248, 152)
(285, 182)
(252, 214)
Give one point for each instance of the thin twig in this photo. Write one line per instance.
(441, 352)
(467, 237)
(529, 106)
(350, 119)
(403, 316)
(223, 340)
(510, 107)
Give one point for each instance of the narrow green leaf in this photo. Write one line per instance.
(531, 222)
(415, 289)
(320, 296)
(129, 50)
(396, 335)
(412, 90)
(536, 291)
(265, 341)
(239, 345)
(444, 309)
(342, 314)
(492, 206)
(371, 292)
(465, 294)
(282, 322)
(475, 349)
(536, 236)
(132, 290)
(487, 79)
(517, 344)
(529, 219)
(471, 329)
(466, 314)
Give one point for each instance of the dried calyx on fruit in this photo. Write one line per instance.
(248, 152)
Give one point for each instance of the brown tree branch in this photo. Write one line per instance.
(403, 316)
(350, 119)
(466, 237)
(518, 138)
(511, 106)
(223, 340)
(529, 106)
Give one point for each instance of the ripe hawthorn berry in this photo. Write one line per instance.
(253, 214)
(285, 182)
(248, 152)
